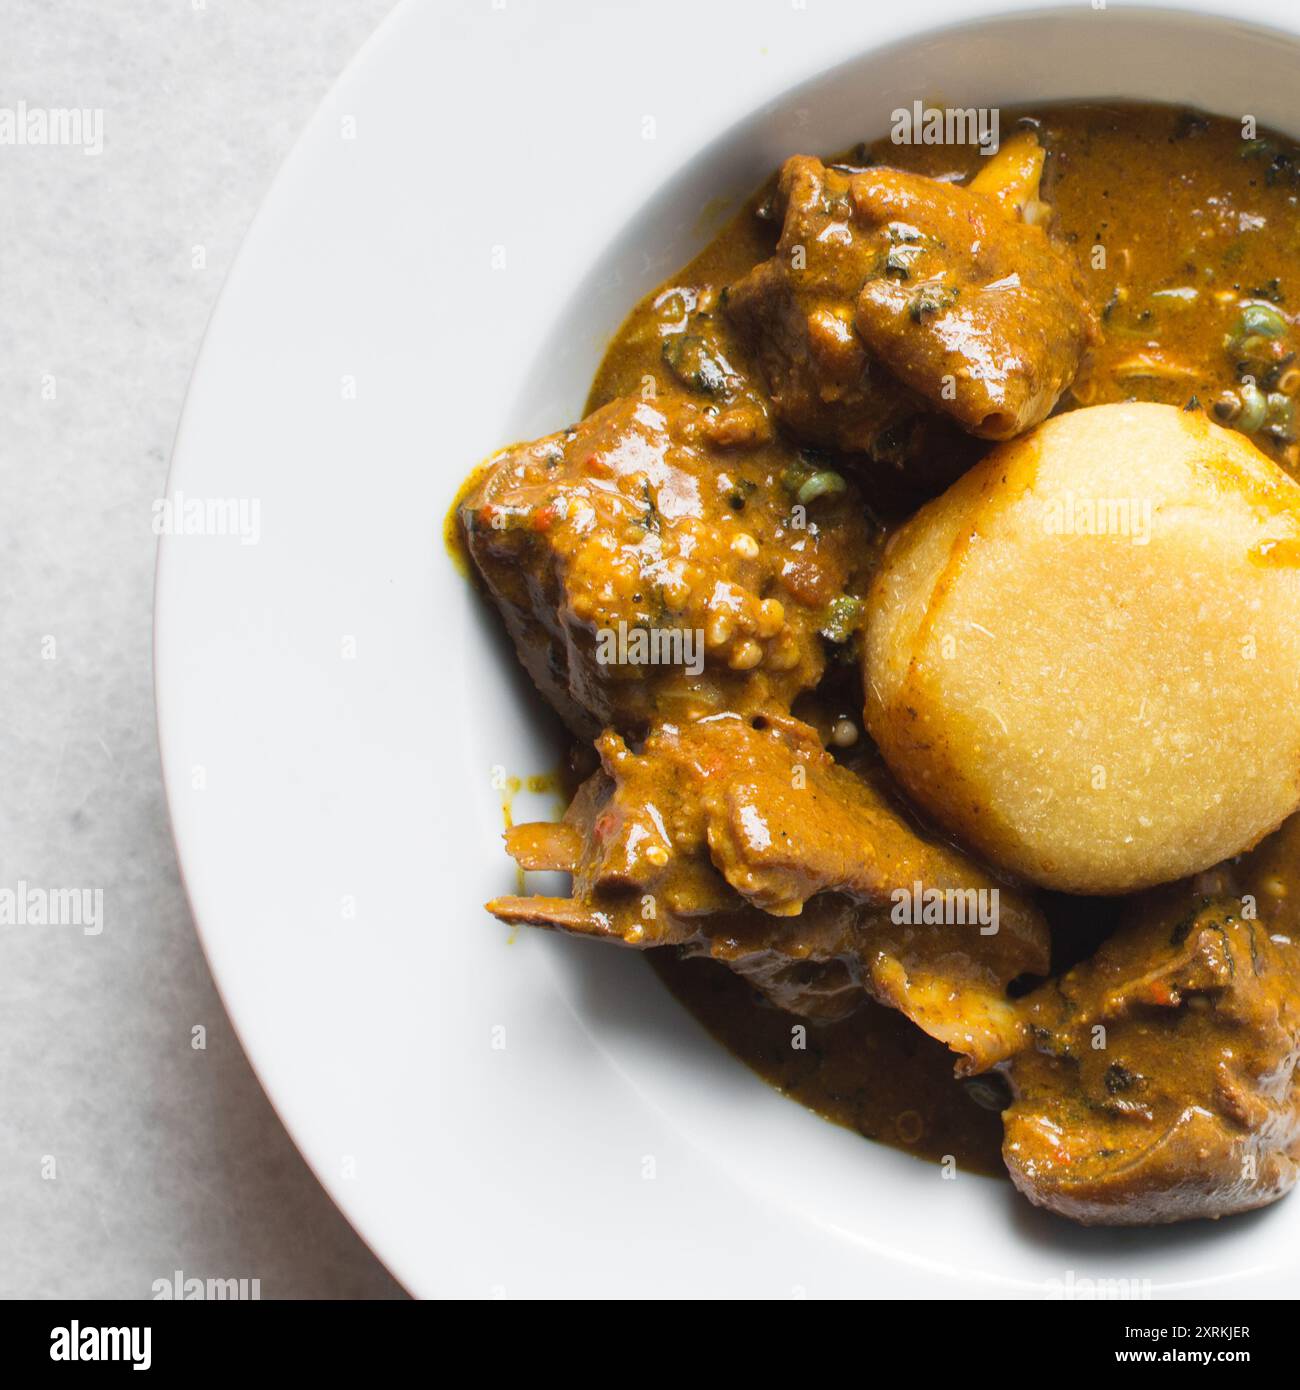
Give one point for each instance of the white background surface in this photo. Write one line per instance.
(166, 1158)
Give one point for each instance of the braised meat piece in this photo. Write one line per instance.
(669, 556)
(1162, 1084)
(745, 841)
(892, 296)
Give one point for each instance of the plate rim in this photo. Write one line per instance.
(942, 20)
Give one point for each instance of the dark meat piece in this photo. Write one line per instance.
(663, 535)
(892, 295)
(744, 840)
(1162, 1083)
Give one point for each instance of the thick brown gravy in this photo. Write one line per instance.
(874, 1072)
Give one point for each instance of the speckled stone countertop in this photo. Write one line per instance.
(127, 1153)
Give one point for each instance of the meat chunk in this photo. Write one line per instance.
(668, 555)
(1161, 1083)
(892, 296)
(745, 841)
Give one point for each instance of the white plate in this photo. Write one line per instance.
(332, 699)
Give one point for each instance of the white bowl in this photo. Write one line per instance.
(333, 699)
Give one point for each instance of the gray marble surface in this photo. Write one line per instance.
(125, 1152)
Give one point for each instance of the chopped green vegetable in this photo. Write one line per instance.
(841, 618)
(931, 299)
(905, 244)
(1279, 422)
(650, 511)
(1253, 344)
(826, 482)
(1254, 408)
(1261, 319)
(807, 466)
(698, 367)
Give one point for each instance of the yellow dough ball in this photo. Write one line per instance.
(1084, 657)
